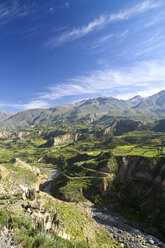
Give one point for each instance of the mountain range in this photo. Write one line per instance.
(5, 115)
(96, 109)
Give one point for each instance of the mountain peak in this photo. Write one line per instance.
(134, 101)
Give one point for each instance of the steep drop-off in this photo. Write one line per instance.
(133, 181)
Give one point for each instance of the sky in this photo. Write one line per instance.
(62, 51)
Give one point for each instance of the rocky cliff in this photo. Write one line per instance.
(66, 138)
(139, 183)
(8, 135)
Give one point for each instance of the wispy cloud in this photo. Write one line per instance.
(10, 10)
(102, 41)
(138, 9)
(67, 4)
(143, 78)
(105, 40)
(156, 41)
(30, 105)
(144, 93)
(100, 22)
(107, 81)
(156, 19)
(36, 104)
(76, 33)
(144, 44)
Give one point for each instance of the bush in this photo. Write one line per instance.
(3, 218)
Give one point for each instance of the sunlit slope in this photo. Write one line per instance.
(91, 110)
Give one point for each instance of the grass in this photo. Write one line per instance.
(3, 217)
(129, 213)
(40, 165)
(135, 150)
(23, 174)
(94, 153)
(83, 153)
(70, 190)
(29, 236)
(80, 225)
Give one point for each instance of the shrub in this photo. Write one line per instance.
(3, 218)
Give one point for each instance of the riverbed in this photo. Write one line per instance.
(53, 174)
(126, 234)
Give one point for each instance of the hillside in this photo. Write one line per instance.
(91, 110)
(5, 115)
(72, 177)
(87, 110)
(134, 101)
(154, 104)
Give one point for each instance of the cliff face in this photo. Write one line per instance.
(137, 183)
(140, 182)
(7, 135)
(66, 138)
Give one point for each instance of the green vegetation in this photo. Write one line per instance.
(29, 236)
(89, 160)
(3, 218)
(101, 109)
(21, 173)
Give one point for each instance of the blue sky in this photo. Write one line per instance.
(62, 51)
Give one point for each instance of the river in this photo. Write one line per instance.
(53, 174)
(124, 232)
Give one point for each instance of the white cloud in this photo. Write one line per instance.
(157, 40)
(76, 33)
(144, 93)
(151, 91)
(144, 75)
(150, 42)
(36, 104)
(31, 105)
(125, 96)
(138, 9)
(143, 78)
(67, 4)
(106, 40)
(103, 20)
(102, 41)
(10, 10)
(51, 10)
(156, 19)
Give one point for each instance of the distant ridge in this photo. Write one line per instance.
(154, 102)
(5, 115)
(101, 108)
(135, 100)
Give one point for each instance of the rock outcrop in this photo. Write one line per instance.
(11, 135)
(136, 182)
(140, 182)
(66, 138)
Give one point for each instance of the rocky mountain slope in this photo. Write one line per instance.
(91, 110)
(154, 103)
(134, 101)
(5, 115)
